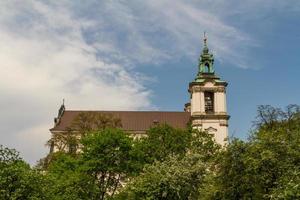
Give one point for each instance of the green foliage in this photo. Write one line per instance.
(265, 167)
(83, 124)
(288, 185)
(172, 179)
(65, 141)
(72, 185)
(233, 180)
(68, 182)
(203, 144)
(62, 163)
(18, 180)
(108, 157)
(180, 173)
(107, 150)
(167, 164)
(162, 141)
(87, 122)
(8, 155)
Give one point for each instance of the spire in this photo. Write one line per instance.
(205, 49)
(206, 60)
(61, 109)
(60, 113)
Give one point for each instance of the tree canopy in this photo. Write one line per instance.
(18, 180)
(168, 164)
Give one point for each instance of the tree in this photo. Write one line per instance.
(289, 186)
(232, 179)
(168, 164)
(267, 116)
(174, 178)
(163, 140)
(86, 122)
(203, 143)
(265, 166)
(8, 156)
(83, 123)
(108, 157)
(18, 180)
(182, 170)
(68, 181)
(65, 141)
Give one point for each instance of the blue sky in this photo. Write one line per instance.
(139, 55)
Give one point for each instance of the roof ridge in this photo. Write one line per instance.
(153, 111)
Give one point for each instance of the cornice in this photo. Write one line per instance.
(197, 88)
(209, 116)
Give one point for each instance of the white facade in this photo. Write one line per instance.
(208, 99)
(215, 122)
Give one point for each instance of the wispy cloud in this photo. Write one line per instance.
(45, 57)
(89, 53)
(157, 31)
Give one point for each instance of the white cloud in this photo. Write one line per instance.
(87, 53)
(159, 30)
(44, 58)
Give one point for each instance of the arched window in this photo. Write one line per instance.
(206, 68)
(209, 101)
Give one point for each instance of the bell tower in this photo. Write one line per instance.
(208, 99)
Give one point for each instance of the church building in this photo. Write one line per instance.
(206, 110)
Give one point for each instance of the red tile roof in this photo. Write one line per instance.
(132, 120)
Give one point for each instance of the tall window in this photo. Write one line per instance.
(209, 102)
(206, 66)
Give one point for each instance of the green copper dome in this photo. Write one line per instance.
(206, 70)
(206, 61)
